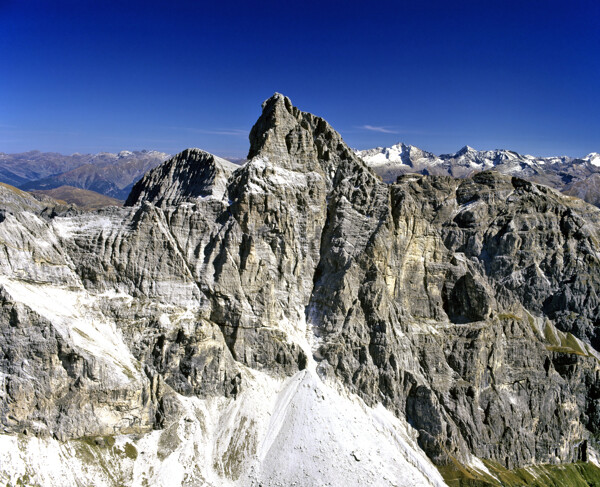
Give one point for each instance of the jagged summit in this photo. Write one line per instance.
(265, 135)
(297, 140)
(283, 136)
(191, 174)
(465, 150)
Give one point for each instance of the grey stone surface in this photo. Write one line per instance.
(470, 307)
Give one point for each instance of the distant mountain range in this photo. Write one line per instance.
(113, 175)
(578, 177)
(105, 173)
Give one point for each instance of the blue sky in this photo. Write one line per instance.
(84, 76)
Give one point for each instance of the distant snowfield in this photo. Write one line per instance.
(594, 158)
(295, 432)
(389, 162)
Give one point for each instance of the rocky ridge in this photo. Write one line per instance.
(232, 320)
(572, 176)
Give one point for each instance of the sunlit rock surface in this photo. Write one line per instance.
(297, 320)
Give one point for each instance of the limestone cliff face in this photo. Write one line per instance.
(448, 315)
(468, 308)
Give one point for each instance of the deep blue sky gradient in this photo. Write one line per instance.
(85, 76)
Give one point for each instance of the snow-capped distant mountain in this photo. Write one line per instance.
(593, 158)
(574, 176)
(389, 162)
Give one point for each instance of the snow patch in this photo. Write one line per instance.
(67, 227)
(476, 464)
(593, 158)
(319, 435)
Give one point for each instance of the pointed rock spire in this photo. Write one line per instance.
(297, 140)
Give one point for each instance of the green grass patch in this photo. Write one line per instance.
(131, 451)
(562, 342)
(99, 441)
(579, 474)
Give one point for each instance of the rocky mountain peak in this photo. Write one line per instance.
(297, 140)
(465, 150)
(267, 136)
(189, 175)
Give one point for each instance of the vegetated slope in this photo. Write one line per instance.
(573, 176)
(109, 174)
(89, 200)
(297, 320)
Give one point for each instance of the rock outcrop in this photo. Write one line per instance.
(189, 175)
(224, 303)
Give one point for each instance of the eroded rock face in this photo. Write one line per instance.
(191, 174)
(444, 316)
(468, 307)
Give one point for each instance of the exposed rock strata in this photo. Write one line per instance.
(468, 307)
